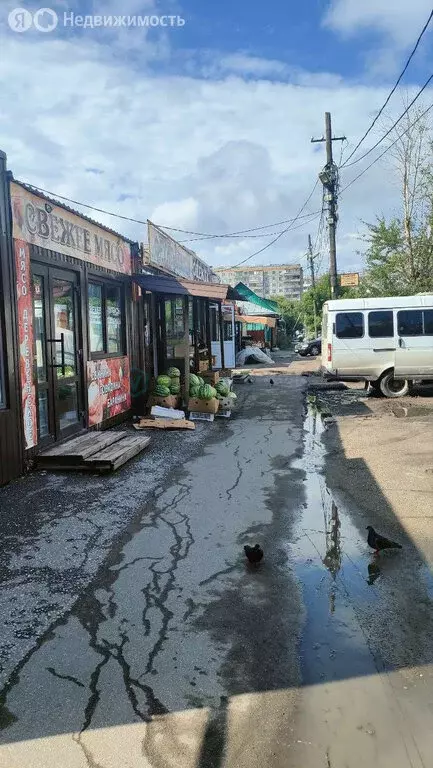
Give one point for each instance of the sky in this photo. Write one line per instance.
(206, 126)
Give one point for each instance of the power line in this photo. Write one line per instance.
(203, 235)
(240, 232)
(347, 165)
(387, 148)
(256, 253)
(233, 234)
(392, 90)
(245, 237)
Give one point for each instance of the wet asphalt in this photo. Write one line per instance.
(172, 651)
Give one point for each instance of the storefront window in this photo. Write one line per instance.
(106, 319)
(174, 327)
(96, 318)
(114, 319)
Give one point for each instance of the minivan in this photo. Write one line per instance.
(386, 341)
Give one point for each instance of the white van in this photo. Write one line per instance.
(386, 341)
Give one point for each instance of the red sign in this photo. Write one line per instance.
(25, 336)
(108, 388)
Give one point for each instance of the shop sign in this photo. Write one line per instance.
(349, 280)
(108, 388)
(167, 254)
(25, 337)
(50, 226)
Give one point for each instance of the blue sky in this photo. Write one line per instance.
(207, 127)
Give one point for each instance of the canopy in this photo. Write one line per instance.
(178, 286)
(246, 294)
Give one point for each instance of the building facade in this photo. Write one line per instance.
(266, 281)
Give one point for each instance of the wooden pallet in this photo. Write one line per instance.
(95, 452)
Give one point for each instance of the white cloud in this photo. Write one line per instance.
(243, 64)
(399, 21)
(212, 156)
(181, 213)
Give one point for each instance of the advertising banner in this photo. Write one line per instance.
(25, 337)
(166, 253)
(108, 388)
(50, 226)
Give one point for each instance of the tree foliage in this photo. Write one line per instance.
(399, 257)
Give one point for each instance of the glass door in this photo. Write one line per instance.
(57, 358)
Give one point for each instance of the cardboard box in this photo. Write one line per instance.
(211, 377)
(171, 401)
(203, 406)
(226, 404)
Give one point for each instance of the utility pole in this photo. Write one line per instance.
(329, 178)
(313, 282)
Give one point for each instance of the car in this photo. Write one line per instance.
(313, 348)
(386, 341)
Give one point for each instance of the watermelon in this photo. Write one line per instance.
(194, 380)
(174, 373)
(161, 391)
(193, 391)
(233, 396)
(201, 381)
(163, 380)
(206, 392)
(175, 387)
(222, 388)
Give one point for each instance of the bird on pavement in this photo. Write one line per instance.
(250, 381)
(271, 382)
(378, 542)
(254, 554)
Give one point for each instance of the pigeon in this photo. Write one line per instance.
(254, 554)
(378, 542)
(250, 381)
(271, 382)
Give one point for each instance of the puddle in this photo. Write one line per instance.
(334, 567)
(412, 411)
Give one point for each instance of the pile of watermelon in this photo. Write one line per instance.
(168, 383)
(199, 389)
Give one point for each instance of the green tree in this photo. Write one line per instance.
(290, 312)
(399, 257)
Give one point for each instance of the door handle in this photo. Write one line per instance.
(400, 341)
(62, 352)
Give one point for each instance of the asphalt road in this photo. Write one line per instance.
(178, 654)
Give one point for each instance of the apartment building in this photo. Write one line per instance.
(271, 280)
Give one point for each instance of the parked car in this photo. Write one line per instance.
(313, 348)
(386, 341)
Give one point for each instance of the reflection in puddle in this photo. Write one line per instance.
(331, 561)
(373, 573)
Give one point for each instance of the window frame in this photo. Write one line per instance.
(350, 312)
(376, 312)
(104, 285)
(428, 309)
(410, 335)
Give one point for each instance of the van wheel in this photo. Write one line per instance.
(314, 351)
(391, 387)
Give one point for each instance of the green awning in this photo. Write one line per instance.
(249, 295)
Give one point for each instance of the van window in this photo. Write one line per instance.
(381, 324)
(349, 325)
(428, 322)
(409, 322)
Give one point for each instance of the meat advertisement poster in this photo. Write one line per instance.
(108, 388)
(25, 335)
